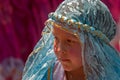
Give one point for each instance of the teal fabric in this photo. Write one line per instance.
(38, 62)
(100, 60)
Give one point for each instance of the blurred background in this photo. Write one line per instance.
(21, 23)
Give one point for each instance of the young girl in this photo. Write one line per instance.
(75, 45)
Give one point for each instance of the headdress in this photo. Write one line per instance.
(93, 23)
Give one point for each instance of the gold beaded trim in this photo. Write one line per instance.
(59, 18)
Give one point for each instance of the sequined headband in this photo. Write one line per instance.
(84, 27)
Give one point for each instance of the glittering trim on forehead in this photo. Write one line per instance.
(77, 25)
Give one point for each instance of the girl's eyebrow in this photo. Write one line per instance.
(73, 38)
(70, 35)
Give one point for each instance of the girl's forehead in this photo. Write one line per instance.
(57, 31)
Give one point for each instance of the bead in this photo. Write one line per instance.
(59, 16)
(92, 28)
(65, 18)
(69, 22)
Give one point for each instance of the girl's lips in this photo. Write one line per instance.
(64, 60)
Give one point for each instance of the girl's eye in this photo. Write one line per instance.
(70, 41)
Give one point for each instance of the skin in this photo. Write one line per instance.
(68, 48)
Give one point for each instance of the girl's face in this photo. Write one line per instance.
(67, 48)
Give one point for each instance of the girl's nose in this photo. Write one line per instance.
(62, 48)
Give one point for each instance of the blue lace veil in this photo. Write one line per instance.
(93, 23)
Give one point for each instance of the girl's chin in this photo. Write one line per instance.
(67, 68)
